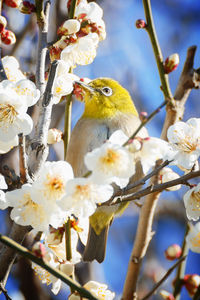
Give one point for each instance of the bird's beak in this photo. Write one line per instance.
(85, 86)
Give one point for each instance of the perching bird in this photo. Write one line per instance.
(108, 107)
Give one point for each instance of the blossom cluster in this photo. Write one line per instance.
(79, 37)
(7, 36)
(17, 94)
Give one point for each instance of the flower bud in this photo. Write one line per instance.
(12, 3)
(54, 136)
(173, 252)
(166, 295)
(167, 174)
(26, 7)
(140, 24)
(143, 115)
(191, 282)
(8, 37)
(134, 145)
(67, 268)
(171, 63)
(39, 249)
(3, 23)
(69, 27)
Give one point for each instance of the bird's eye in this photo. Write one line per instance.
(107, 91)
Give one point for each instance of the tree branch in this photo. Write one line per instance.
(58, 274)
(158, 284)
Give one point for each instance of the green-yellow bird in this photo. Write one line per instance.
(108, 107)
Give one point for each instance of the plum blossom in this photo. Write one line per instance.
(83, 195)
(193, 238)
(167, 174)
(51, 183)
(81, 52)
(185, 140)
(27, 212)
(99, 290)
(7, 146)
(15, 98)
(192, 203)
(11, 67)
(63, 83)
(45, 276)
(111, 162)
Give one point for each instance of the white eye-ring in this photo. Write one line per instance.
(107, 91)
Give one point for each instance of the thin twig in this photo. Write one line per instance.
(157, 51)
(181, 269)
(156, 188)
(2, 71)
(4, 291)
(143, 123)
(158, 284)
(68, 244)
(58, 274)
(68, 105)
(142, 181)
(22, 160)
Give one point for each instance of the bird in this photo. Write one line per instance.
(108, 107)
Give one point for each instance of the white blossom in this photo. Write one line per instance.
(110, 163)
(167, 174)
(45, 276)
(152, 150)
(11, 67)
(50, 184)
(27, 212)
(82, 52)
(82, 196)
(193, 238)
(57, 245)
(15, 98)
(7, 146)
(192, 203)
(99, 290)
(185, 140)
(63, 83)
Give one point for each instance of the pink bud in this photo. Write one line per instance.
(26, 7)
(140, 24)
(166, 295)
(8, 37)
(12, 3)
(191, 282)
(143, 115)
(39, 249)
(171, 63)
(3, 23)
(173, 252)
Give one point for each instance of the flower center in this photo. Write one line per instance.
(7, 114)
(188, 144)
(82, 190)
(55, 187)
(110, 158)
(195, 241)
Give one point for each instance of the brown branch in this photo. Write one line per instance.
(156, 188)
(167, 274)
(22, 159)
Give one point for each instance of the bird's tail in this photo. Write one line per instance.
(96, 245)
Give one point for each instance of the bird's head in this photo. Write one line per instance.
(105, 98)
